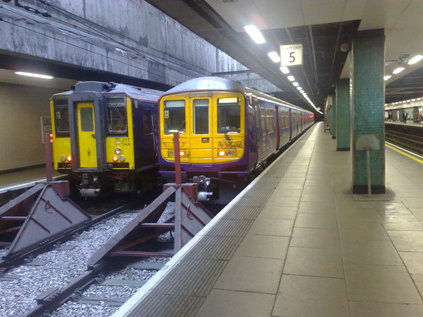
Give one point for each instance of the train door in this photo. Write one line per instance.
(148, 143)
(201, 151)
(87, 144)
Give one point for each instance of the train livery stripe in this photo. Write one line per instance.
(394, 148)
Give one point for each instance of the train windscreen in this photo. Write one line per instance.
(174, 116)
(61, 118)
(117, 116)
(201, 116)
(228, 115)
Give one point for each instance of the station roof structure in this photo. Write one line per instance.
(324, 27)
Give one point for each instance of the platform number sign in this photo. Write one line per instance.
(291, 55)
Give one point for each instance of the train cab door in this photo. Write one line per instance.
(87, 144)
(149, 145)
(201, 143)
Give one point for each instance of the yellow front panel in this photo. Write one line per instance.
(201, 147)
(86, 135)
(125, 143)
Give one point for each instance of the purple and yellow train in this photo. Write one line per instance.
(227, 131)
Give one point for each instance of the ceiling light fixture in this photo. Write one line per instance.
(398, 70)
(274, 57)
(387, 77)
(295, 84)
(299, 88)
(285, 70)
(255, 34)
(291, 78)
(415, 59)
(34, 75)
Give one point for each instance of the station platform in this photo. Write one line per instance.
(23, 178)
(296, 242)
(412, 124)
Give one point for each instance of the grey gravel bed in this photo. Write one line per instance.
(60, 265)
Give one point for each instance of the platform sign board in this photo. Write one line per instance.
(291, 55)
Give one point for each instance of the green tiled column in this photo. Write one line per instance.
(367, 101)
(333, 127)
(343, 114)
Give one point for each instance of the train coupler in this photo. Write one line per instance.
(203, 185)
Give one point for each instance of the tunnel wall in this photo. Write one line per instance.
(20, 139)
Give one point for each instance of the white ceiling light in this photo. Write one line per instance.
(285, 70)
(255, 34)
(299, 88)
(274, 57)
(295, 84)
(415, 59)
(398, 70)
(291, 78)
(387, 77)
(34, 75)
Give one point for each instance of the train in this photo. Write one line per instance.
(227, 132)
(405, 113)
(105, 137)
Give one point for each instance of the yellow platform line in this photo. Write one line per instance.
(405, 154)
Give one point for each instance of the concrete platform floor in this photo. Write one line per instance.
(317, 250)
(22, 178)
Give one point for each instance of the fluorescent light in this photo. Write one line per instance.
(398, 70)
(285, 70)
(291, 78)
(274, 57)
(415, 59)
(299, 88)
(34, 75)
(387, 77)
(255, 34)
(295, 84)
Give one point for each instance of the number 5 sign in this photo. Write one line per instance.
(291, 54)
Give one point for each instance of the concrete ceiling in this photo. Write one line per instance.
(321, 25)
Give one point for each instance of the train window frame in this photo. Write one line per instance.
(117, 103)
(206, 120)
(58, 106)
(229, 102)
(170, 130)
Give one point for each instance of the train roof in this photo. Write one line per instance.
(223, 84)
(113, 88)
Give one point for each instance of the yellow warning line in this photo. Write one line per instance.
(405, 154)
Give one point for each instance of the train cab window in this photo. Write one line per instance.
(228, 115)
(174, 116)
(201, 116)
(117, 116)
(87, 124)
(61, 118)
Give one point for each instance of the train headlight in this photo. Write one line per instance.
(63, 159)
(115, 158)
(118, 150)
(222, 153)
(226, 153)
(181, 153)
(69, 158)
(122, 158)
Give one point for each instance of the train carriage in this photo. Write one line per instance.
(105, 136)
(227, 131)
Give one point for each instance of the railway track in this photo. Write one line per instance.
(408, 137)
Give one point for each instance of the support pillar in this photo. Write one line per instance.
(368, 100)
(343, 114)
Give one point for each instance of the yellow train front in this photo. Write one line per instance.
(228, 132)
(105, 136)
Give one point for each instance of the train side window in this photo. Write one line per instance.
(228, 115)
(87, 124)
(269, 117)
(117, 116)
(174, 116)
(61, 118)
(201, 116)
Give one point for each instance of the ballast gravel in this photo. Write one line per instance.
(55, 268)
